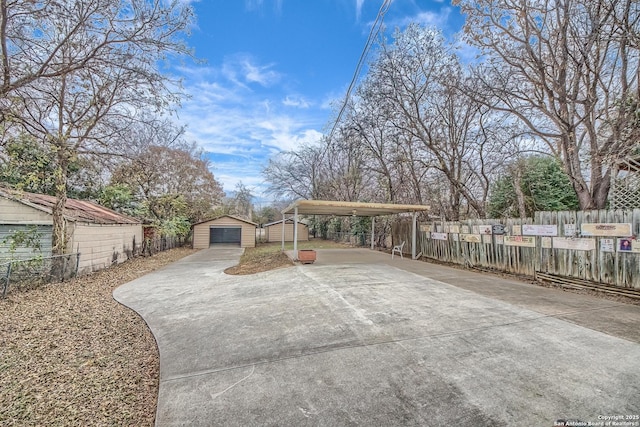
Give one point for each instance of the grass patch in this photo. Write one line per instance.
(269, 256)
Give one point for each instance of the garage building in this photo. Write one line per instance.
(274, 231)
(224, 230)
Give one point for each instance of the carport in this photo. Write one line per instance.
(337, 208)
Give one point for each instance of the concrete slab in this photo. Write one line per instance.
(614, 318)
(357, 340)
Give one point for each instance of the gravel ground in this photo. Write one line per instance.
(71, 355)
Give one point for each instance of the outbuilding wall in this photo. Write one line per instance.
(17, 217)
(274, 232)
(201, 231)
(102, 245)
(12, 212)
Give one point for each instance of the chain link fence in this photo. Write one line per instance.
(34, 272)
(25, 274)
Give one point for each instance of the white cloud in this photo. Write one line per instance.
(296, 101)
(439, 19)
(430, 18)
(263, 75)
(243, 69)
(359, 4)
(253, 5)
(241, 126)
(233, 172)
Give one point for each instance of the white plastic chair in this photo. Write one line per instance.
(398, 248)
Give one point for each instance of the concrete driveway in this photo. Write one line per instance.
(356, 339)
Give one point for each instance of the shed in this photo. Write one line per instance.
(227, 229)
(101, 235)
(274, 231)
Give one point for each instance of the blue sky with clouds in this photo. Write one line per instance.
(273, 72)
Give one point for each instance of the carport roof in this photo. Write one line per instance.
(330, 207)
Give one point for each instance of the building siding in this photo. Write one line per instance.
(44, 237)
(12, 212)
(101, 245)
(201, 232)
(274, 232)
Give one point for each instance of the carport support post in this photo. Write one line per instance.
(373, 227)
(283, 216)
(295, 233)
(413, 236)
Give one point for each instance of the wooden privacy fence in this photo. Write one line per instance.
(597, 246)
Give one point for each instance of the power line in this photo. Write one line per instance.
(373, 34)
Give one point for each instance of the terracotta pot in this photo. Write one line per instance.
(306, 256)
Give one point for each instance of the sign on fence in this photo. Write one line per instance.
(629, 245)
(578, 244)
(470, 238)
(439, 236)
(481, 229)
(569, 230)
(526, 241)
(606, 229)
(607, 245)
(497, 229)
(539, 230)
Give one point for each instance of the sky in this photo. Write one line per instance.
(271, 74)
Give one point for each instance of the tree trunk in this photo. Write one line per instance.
(59, 236)
(517, 186)
(601, 191)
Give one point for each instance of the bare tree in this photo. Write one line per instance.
(75, 74)
(298, 174)
(440, 126)
(36, 37)
(370, 118)
(346, 177)
(566, 69)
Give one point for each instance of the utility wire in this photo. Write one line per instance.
(373, 34)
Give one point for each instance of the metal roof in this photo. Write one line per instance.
(337, 208)
(74, 210)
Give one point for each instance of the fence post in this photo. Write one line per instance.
(77, 263)
(6, 281)
(65, 264)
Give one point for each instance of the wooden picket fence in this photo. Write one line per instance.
(568, 253)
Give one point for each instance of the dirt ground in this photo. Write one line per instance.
(269, 256)
(71, 355)
(262, 262)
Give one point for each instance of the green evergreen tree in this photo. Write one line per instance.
(544, 185)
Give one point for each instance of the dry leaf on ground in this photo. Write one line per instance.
(71, 355)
